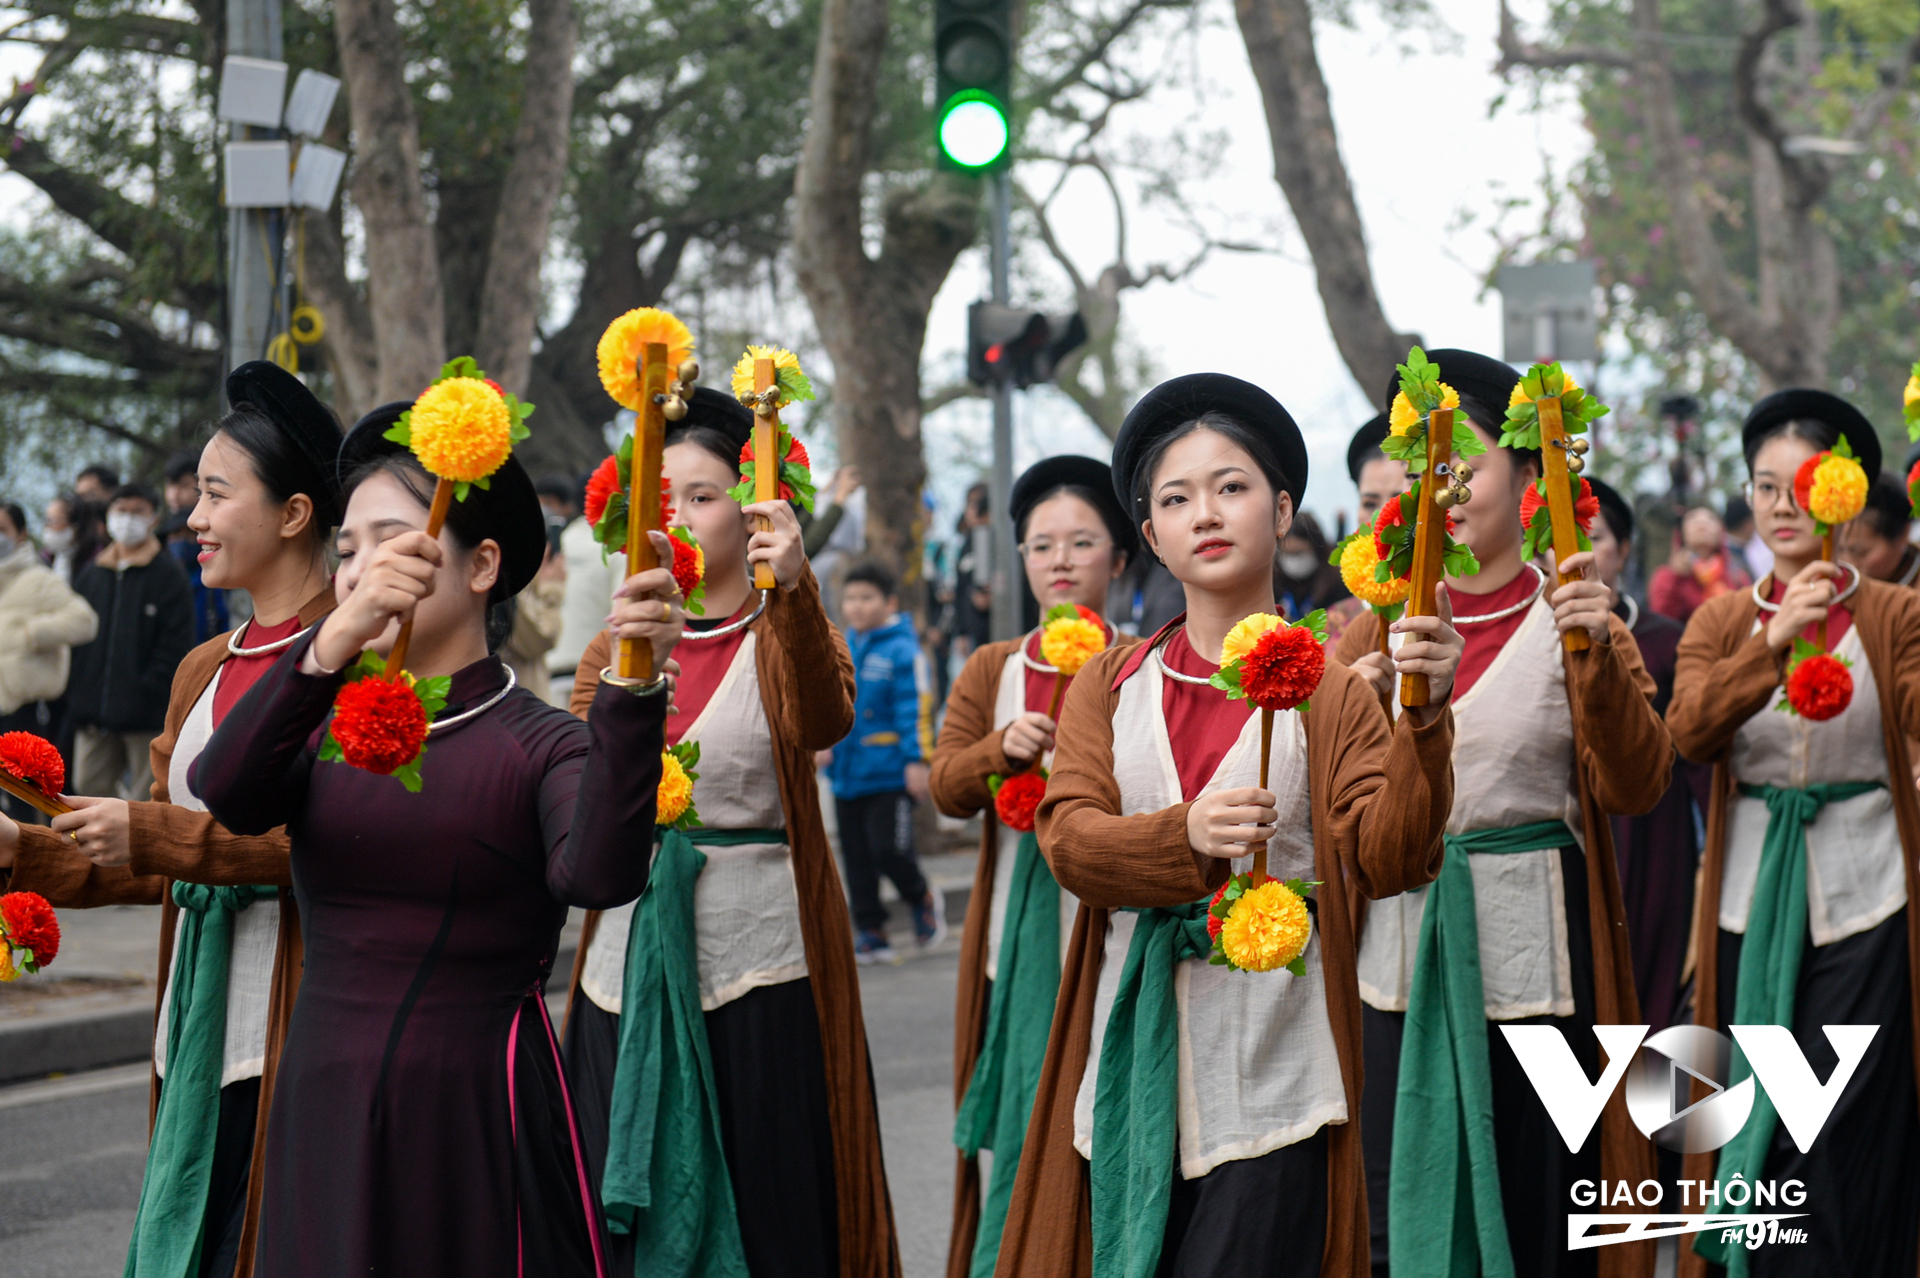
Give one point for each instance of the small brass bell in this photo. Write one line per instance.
(1576, 464)
(1579, 446)
(1463, 472)
(689, 371)
(1446, 498)
(674, 409)
(1462, 495)
(763, 408)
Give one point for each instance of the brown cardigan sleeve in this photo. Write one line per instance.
(1625, 749)
(53, 865)
(968, 751)
(1722, 677)
(811, 668)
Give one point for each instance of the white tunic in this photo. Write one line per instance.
(1855, 879)
(1258, 1066)
(256, 929)
(1009, 705)
(746, 907)
(1513, 765)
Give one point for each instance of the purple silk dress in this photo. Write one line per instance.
(420, 1122)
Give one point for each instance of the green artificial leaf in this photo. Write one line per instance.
(994, 782)
(330, 750)
(462, 488)
(1465, 442)
(1392, 612)
(1063, 612)
(433, 694)
(1315, 621)
(794, 386)
(408, 773)
(463, 366)
(1840, 449)
(688, 753)
(1227, 679)
(1457, 560)
(401, 432)
(1299, 966)
(800, 479)
(1217, 959)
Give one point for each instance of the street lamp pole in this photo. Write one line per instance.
(253, 235)
(1006, 556)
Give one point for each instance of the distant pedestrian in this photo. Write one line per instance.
(40, 621)
(75, 532)
(97, 483)
(182, 493)
(1701, 568)
(122, 680)
(880, 771)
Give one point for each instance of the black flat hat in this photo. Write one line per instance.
(1069, 469)
(1479, 376)
(1799, 403)
(717, 410)
(1365, 443)
(1174, 403)
(285, 401)
(1610, 499)
(507, 509)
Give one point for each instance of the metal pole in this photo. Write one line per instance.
(1006, 556)
(254, 236)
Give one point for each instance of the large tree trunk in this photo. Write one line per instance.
(403, 273)
(1307, 164)
(510, 296)
(872, 313)
(348, 347)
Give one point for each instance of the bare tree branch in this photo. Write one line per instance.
(1515, 52)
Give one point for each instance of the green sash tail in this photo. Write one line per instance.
(1444, 1216)
(666, 1180)
(167, 1230)
(993, 1114)
(1136, 1098)
(1770, 971)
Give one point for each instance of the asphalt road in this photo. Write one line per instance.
(74, 1147)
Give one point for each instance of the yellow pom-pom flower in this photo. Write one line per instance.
(1267, 928)
(743, 386)
(1071, 642)
(1356, 569)
(1839, 490)
(1912, 395)
(1403, 417)
(1520, 395)
(676, 790)
(1245, 634)
(625, 342)
(7, 970)
(461, 430)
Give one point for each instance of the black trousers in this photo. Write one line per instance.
(876, 837)
(1863, 1172)
(1260, 1217)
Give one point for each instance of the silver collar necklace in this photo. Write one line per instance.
(1767, 605)
(732, 627)
(454, 720)
(1539, 584)
(278, 645)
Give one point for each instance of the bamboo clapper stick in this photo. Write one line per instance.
(1566, 533)
(1429, 541)
(635, 658)
(766, 462)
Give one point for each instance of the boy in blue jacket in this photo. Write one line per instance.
(881, 769)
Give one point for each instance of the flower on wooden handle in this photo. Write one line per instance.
(673, 801)
(380, 725)
(1910, 403)
(29, 934)
(1578, 409)
(624, 345)
(1537, 519)
(1358, 558)
(463, 427)
(1260, 928)
(1070, 637)
(1272, 664)
(1421, 392)
(34, 760)
(1819, 684)
(790, 385)
(1831, 486)
(796, 472)
(1395, 531)
(1016, 799)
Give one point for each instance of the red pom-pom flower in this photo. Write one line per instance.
(1803, 480)
(1819, 686)
(604, 483)
(1913, 486)
(1284, 668)
(379, 725)
(1585, 506)
(689, 562)
(28, 923)
(1389, 517)
(1217, 921)
(1017, 800)
(34, 760)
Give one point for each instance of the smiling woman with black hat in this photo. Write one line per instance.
(420, 1123)
(1075, 539)
(268, 500)
(1805, 913)
(1218, 1134)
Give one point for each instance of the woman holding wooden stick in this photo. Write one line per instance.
(1525, 924)
(421, 1123)
(1075, 539)
(268, 502)
(759, 1153)
(1804, 916)
(1237, 1153)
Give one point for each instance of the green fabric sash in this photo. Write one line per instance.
(993, 1114)
(1136, 1098)
(666, 1180)
(1770, 972)
(167, 1230)
(1444, 1216)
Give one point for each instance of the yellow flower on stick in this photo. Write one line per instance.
(673, 801)
(1245, 634)
(1071, 637)
(1260, 927)
(1358, 559)
(1403, 416)
(625, 342)
(461, 429)
(743, 387)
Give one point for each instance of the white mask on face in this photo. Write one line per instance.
(128, 529)
(57, 540)
(1298, 566)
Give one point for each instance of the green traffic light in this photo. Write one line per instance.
(973, 129)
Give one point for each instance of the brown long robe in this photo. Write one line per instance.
(1726, 674)
(170, 842)
(967, 754)
(806, 685)
(1623, 762)
(1368, 838)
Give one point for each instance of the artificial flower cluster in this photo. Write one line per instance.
(623, 347)
(1913, 487)
(1421, 392)
(1070, 637)
(790, 385)
(1272, 664)
(1578, 409)
(1910, 403)
(380, 724)
(1394, 539)
(34, 760)
(1831, 486)
(606, 512)
(463, 427)
(673, 801)
(1819, 684)
(1260, 927)
(1358, 557)
(1537, 519)
(1016, 799)
(29, 934)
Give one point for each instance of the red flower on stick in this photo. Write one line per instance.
(30, 924)
(1217, 921)
(1585, 506)
(689, 563)
(34, 760)
(1819, 686)
(604, 483)
(380, 726)
(1283, 668)
(1017, 800)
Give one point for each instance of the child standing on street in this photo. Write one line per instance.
(880, 771)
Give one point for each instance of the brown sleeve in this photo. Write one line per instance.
(586, 675)
(968, 751)
(1107, 860)
(1716, 690)
(53, 865)
(1357, 640)
(180, 843)
(1904, 627)
(812, 670)
(1388, 837)
(1625, 749)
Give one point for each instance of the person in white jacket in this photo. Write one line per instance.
(41, 619)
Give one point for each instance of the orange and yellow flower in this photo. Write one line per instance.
(1356, 569)
(1068, 643)
(461, 429)
(675, 794)
(1403, 417)
(624, 344)
(1831, 488)
(1246, 633)
(1267, 928)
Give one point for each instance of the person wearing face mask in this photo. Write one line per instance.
(121, 682)
(41, 618)
(1303, 580)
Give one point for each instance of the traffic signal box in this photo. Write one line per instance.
(973, 81)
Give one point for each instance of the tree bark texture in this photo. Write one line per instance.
(1308, 166)
(348, 347)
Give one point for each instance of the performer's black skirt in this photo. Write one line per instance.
(1260, 1217)
(769, 1069)
(1536, 1171)
(1863, 1173)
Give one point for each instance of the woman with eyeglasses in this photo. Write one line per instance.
(1075, 541)
(1805, 916)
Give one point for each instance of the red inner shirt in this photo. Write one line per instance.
(1202, 724)
(238, 674)
(1839, 618)
(1485, 639)
(703, 664)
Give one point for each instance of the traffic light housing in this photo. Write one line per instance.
(973, 81)
(1022, 347)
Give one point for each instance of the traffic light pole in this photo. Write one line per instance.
(1006, 556)
(253, 235)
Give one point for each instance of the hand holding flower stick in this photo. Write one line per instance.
(774, 466)
(1546, 412)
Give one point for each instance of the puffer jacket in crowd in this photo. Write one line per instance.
(41, 621)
